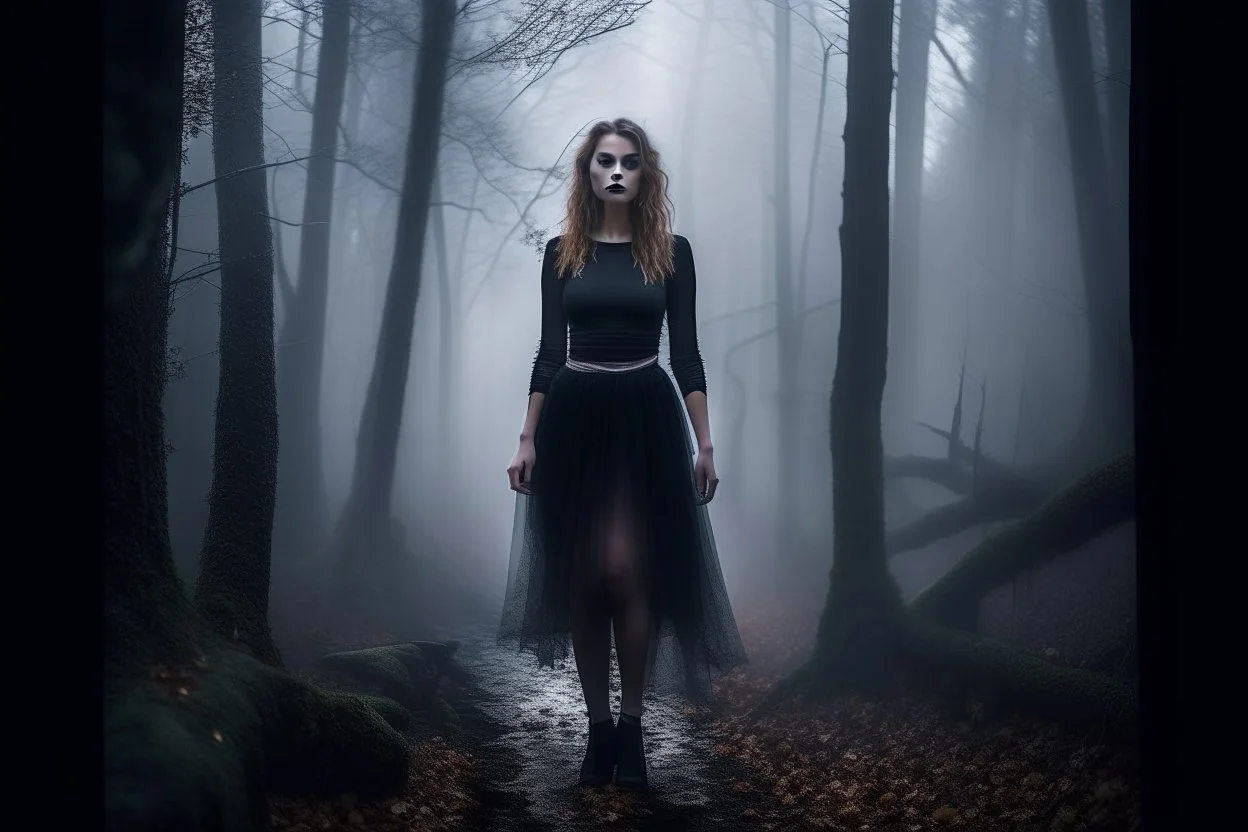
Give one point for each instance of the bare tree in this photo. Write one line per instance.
(916, 27)
(301, 493)
(366, 536)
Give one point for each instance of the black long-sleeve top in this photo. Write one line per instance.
(610, 313)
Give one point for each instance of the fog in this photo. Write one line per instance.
(1004, 296)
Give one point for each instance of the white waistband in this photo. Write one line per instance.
(610, 366)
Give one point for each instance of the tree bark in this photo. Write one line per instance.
(232, 590)
(142, 118)
(301, 497)
(367, 514)
(1106, 427)
(139, 170)
(863, 608)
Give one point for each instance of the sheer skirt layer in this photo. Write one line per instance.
(606, 442)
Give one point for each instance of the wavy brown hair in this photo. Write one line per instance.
(653, 243)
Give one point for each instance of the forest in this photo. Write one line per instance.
(323, 227)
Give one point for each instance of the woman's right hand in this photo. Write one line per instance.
(520, 471)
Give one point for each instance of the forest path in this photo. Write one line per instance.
(527, 729)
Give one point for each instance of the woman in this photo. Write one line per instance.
(612, 533)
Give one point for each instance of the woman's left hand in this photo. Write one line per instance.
(704, 477)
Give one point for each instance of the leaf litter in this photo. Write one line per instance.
(907, 763)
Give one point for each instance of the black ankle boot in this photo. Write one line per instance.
(630, 772)
(599, 763)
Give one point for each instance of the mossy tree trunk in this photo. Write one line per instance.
(142, 123)
(863, 607)
(367, 543)
(232, 590)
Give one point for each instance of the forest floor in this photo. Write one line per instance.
(914, 762)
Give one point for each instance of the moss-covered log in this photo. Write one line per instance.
(407, 673)
(1020, 678)
(1098, 501)
(200, 746)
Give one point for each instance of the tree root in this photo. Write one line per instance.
(1098, 501)
(1021, 678)
(201, 747)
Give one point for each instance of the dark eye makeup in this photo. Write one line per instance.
(630, 162)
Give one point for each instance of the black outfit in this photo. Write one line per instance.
(604, 437)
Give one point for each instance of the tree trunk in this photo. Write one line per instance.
(301, 517)
(232, 591)
(365, 539)
(139, 174)
(446, 338)
(917, 27)
(786, 326)
(863, 607)
(141, 135)
(1106, 427)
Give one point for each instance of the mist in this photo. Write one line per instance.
(1008, 349)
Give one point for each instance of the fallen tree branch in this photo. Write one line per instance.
(1004, 503)
(1095, 503)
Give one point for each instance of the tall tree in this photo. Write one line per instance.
(786, 323)
(301, 493)
(232, 590)
(916, 29)
(365, 541)
(863, 605)
(142, 126)
(1107, 426)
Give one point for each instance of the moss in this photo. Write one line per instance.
(408, 673)
(197, 747)
(1094, 503)
(395, 715)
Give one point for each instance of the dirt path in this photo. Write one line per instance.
(526, 727)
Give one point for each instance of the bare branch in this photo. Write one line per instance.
(953, 65)
(191, 188)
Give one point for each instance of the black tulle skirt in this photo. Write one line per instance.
(607, 439)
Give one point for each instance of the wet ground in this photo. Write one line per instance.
(527, 728)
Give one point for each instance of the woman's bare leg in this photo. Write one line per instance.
(630, 610)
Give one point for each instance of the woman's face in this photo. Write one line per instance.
(615, 169)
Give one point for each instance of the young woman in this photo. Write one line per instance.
(612, 533)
